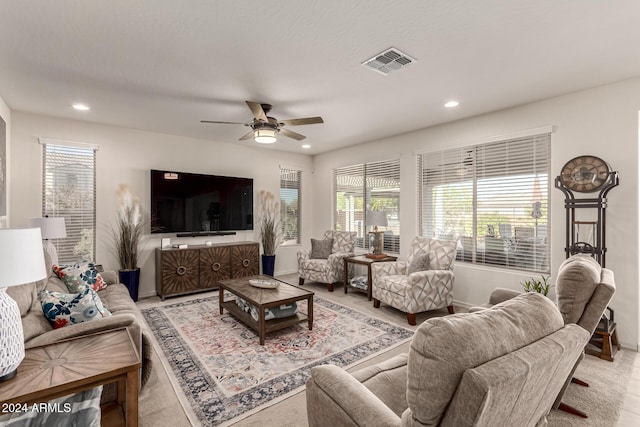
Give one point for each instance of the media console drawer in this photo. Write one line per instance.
(199, 268)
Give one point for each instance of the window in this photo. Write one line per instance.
(69, 190)
(290, 205)
(492, 198)
(369, 187)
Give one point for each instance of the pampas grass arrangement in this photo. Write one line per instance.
(129, 228)
(269, 222)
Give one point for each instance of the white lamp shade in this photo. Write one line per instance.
(52, 228)
(21, 256)
(376, 218)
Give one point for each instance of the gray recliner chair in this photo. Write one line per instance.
(500, 366)
(583, 290)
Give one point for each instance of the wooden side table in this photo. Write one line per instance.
(78, 364)
(362, 260)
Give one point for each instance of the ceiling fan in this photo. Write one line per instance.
(265, 129)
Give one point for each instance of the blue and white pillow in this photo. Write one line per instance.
(62, 309)
(80, 275)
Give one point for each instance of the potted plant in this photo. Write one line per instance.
(127, 235)
(541, 286)
(269, 228)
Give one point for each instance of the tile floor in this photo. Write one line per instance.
(630, 413)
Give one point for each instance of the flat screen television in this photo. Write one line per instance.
(191, 203)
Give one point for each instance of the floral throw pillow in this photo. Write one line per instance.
(80, 276)
(62, 309)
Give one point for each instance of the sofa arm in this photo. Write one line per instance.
(84, 328)
(110, 277)
(336, 398)
(501, 295)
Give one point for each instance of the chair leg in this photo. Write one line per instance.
(301, 281)
(330, 287)
(376, 303)
(571, 410)
(450, 308)
(579, 382)
(411, 318)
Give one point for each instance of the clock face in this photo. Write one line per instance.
(585, 174)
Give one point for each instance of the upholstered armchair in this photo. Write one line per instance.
(330, 267)
(421, 283)
(583, 291)
(499, 367)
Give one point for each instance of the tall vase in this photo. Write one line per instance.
(268, 264)
(131, 279)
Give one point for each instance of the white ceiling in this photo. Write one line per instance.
(165, 65)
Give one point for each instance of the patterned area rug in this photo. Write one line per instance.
(224, 374)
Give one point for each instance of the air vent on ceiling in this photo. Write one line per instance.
(390, 60)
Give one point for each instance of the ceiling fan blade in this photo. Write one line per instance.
(305, 121)
(247, 135)
(292, 134)
(257, 111)
(225, 123)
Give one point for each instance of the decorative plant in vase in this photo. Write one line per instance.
(269, 228)
(541, 286)
(127, 235)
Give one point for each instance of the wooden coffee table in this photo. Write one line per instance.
(263, 299)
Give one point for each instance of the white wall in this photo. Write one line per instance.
(5, 113)
(602, 121)
(126, 156)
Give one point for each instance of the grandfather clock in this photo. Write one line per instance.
(586, 229)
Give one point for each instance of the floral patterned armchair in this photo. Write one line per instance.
(429, 288)
(328, 270)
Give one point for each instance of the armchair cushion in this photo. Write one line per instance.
(321, 249)
(420, 263)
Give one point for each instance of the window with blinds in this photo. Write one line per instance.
(367, 187)
(290, 188)
(68, 190)
(492, 198)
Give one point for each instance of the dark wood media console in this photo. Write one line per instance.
(199, 268)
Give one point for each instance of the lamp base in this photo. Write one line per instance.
(8, 376)
(11, 336)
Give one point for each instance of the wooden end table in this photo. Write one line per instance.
(263, 299)
(362, 260)
(74, 365)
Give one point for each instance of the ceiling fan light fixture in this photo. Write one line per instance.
(265, 136)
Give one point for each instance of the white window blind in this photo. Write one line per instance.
(369, 187)
(492, 198)
(68, 190)
(290, 192)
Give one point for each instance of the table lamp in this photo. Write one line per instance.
(375, 219)
(21, 261)
(52, 228)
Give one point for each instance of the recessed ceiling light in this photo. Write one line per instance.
(81, 107)
(451, 104)
(306, 146)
